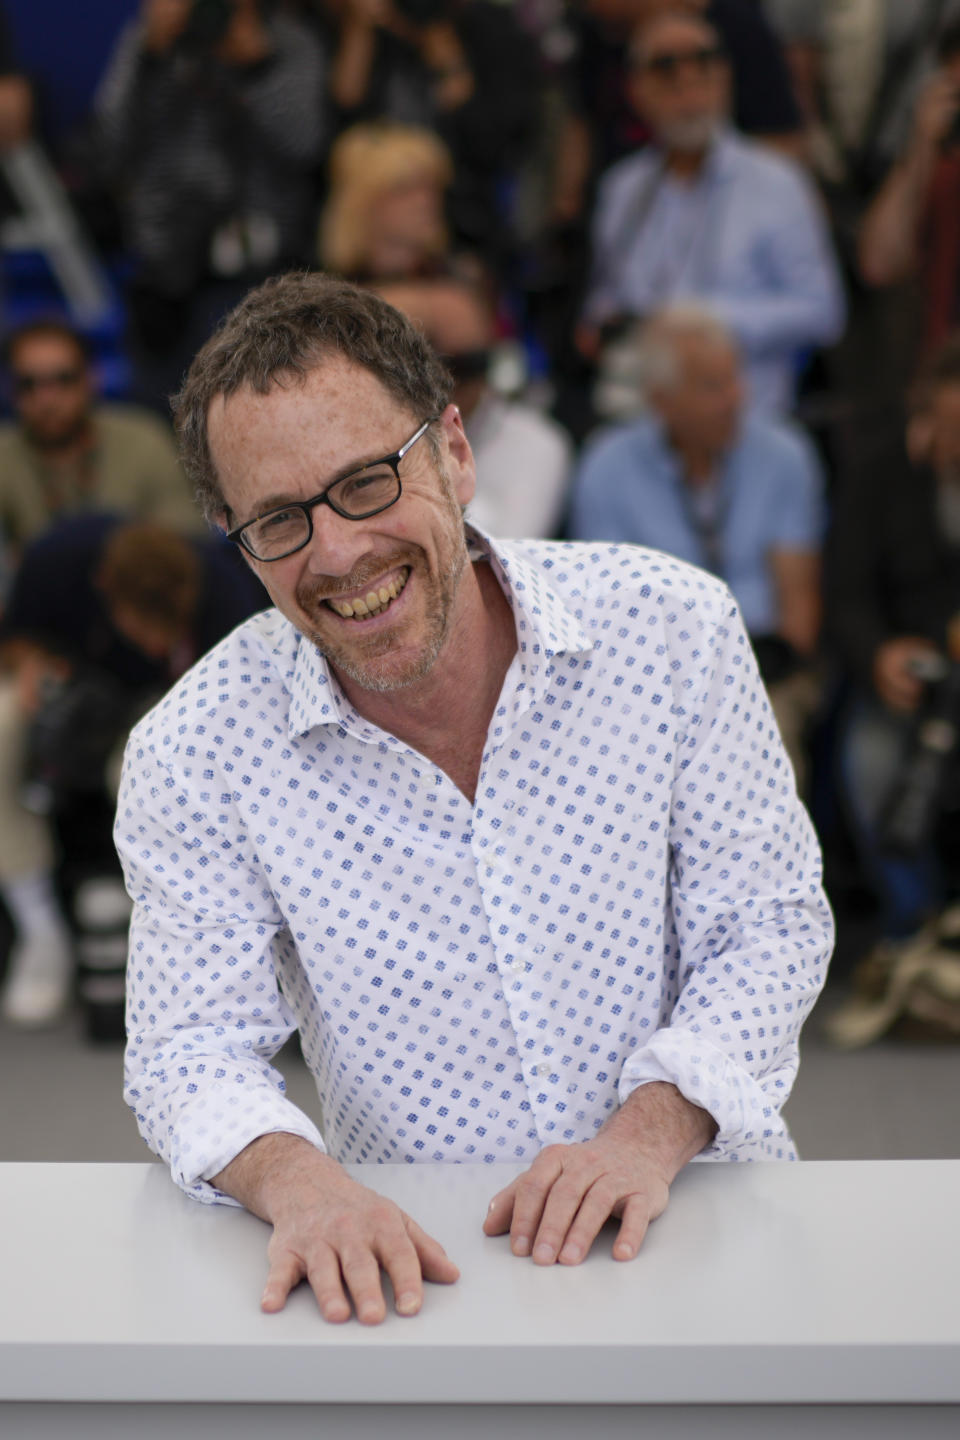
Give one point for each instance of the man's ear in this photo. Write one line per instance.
(461, 465)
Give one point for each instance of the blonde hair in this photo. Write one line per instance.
(365, 161)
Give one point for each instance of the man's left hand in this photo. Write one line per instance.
(556, 1209)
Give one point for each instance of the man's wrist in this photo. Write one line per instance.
(658, 1121)
(263, 1175)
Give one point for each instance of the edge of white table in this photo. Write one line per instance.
(796, 1286)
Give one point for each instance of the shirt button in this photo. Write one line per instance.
(542, 1069)
(519, 967)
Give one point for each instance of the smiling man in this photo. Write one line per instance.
(506, 831)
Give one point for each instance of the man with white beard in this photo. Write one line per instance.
(703, 213)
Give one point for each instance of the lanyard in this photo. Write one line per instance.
(670, 268)
(709, 524)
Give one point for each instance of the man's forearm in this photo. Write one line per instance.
(891, 227)
(270, 1170)
(796, 579)
(659, 1122)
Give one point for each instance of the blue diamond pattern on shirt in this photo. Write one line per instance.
(633, 896)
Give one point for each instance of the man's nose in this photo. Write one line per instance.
(337, 544)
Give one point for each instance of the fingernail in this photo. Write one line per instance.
(408, 1304)
(544, 1254)
(623, 1252)
(491, 1207)
(521, 1245)
(570, 1254)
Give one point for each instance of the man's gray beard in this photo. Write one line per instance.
(381, 683)
(690, 137)
(384, 682)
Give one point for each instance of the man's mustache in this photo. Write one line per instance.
(316, 591)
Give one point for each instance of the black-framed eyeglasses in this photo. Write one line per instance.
(357, 496)
(668, 64)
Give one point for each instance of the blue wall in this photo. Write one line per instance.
(64, 45)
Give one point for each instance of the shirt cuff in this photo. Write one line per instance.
(204, 1147)
(749, 1126)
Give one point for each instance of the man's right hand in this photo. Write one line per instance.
(332, 1232)
(894, 671)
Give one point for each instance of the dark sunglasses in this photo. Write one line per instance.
(668, 64)
(26, 384)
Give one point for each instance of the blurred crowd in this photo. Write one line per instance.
(695, 268)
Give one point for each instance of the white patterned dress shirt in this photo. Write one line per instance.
(633, 896)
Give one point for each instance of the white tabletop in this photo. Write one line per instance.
(761, 1283)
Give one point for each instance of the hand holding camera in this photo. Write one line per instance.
(232, 31)
(900, 671)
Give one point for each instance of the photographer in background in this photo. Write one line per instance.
(103, 616)
(912, 226)
(212, 115)
(892, 602)
(463, 68)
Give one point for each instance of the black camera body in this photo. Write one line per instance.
(924, 788)
(207, 25)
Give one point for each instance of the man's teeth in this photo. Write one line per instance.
(372, 603)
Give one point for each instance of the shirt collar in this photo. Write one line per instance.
(546, 628)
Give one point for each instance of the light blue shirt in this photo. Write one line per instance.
(633, 896)
(747, 236)
(770, 496)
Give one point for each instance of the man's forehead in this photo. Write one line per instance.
(59, 348)
(336, 388)
(305, 429)
(666, 31)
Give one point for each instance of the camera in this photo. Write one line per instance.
(207, 24)
(925, 785)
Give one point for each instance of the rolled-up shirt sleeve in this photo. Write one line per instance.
(205, 1011)
(751, 923)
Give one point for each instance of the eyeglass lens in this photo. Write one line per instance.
(355, 496)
